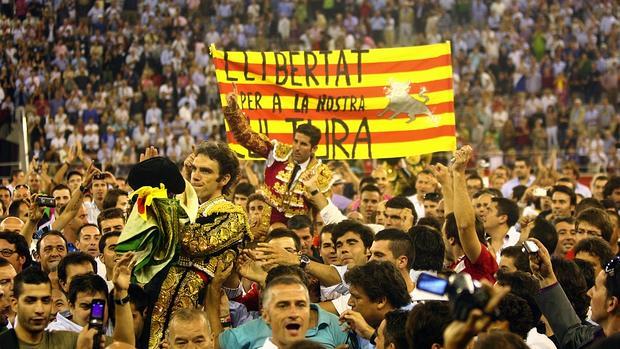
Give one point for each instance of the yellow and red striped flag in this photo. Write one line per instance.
(378, 103)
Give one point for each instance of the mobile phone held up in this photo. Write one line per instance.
(45, 201)
(95, 320)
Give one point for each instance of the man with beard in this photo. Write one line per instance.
(187, 229)
(286, 164)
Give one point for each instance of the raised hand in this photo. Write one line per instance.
(122, 272)
(540, 264)
(356, 323)
(461, 158)
(441, 172)
(149, 152)
(231, 99)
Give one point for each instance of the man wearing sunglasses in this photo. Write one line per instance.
(555, 306)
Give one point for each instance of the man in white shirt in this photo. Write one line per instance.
(499, 221)
(425, 183)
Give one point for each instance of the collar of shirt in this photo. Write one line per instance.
(269, 344)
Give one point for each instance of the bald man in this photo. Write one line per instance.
(12, 224)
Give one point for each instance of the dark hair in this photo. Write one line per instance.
(110, 213)
(597, 218)
(609, 203)
(475, 177)
(426, 324)
(226, 159)
(74, 258)
(430, 222)
(518, 191)
(361, 230)
(104, 239)
(327, 228)
(4, 262)
(400, 202)
(14, 207)
(545, 232)
(587, 270)
(74, 173)
(370, 187)
(500, 339)
(574, 285)
(305, 344)
(523, 285)
(79, 231)
(429, 249)
(138, 297)
(21, 246)
(517, 312)
(395, 328)
(245, 189)
(522, 262)
(509, 208)
(566, 190)
(60, 187)
(565, 219)
(400, 244)
(16, 173)
(2, 187)
(48, 233)
(311, 131)
(30, 276)
(89, 283)
(379, 280)
(286, 270)
(300, 221)
(284, 233)
(612, 184)
(452, 229)
(587, 203)
(111, 197)
(367, 180)
(596, 247)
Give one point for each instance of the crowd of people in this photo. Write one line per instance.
(530, 77)
(293, 252)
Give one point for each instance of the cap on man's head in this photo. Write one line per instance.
(156, 170)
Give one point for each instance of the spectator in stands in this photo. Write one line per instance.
(72, 265)
(595, 251)
(14, 249)
(391, 331)
(51, 248)
(302, 226)
(396, 247)
(593, 222)
(400, 214)
(110, 220)
(116, 198)
(426, 324)
(241, 194)
(567, 235)
(514, 259)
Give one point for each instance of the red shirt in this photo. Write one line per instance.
(482, 269)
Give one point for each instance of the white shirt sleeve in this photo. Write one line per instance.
(331, 214)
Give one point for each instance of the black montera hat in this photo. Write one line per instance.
(156, 170)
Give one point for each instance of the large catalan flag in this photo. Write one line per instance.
(378, 103)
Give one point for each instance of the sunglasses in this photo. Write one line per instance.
(432, 196)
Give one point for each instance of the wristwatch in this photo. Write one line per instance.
(314, 192)
(304, 261)
(122, 301)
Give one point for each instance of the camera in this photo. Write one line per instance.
(99, 176)
(45, 201)
(530, 247)
(95, 320)
(539, 192)
(464, 293)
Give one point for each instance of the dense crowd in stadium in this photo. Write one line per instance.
(136, 226)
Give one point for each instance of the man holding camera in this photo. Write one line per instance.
(570, 332)
(32, 299)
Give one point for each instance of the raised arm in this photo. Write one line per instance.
(73, 206)
(123, 331)
(464, 211)
(327, 275)
(444, 177)
(240, 127)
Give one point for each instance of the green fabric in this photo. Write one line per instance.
(153, 240)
